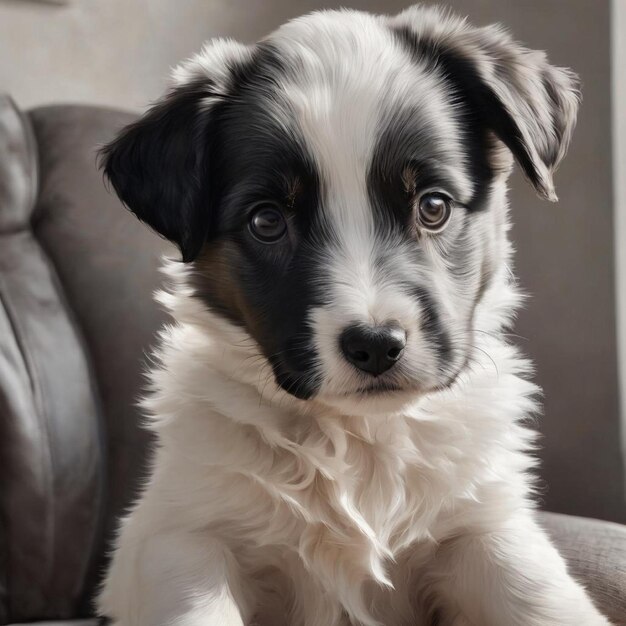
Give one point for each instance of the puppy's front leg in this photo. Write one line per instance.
(513, 576)
(181, 578)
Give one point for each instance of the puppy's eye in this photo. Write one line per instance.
(267, 223)
(433, 211)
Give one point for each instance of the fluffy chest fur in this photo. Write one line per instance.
(341, 498)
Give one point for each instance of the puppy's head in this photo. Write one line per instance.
(338, 189)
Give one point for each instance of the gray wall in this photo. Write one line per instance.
(118, 52)
(566, 262)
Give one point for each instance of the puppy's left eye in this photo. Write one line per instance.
(433, 211)
(267, 223)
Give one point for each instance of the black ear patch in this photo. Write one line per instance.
(159, 166)
(529, 104)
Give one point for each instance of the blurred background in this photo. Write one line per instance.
(118, 53)
(571, 257)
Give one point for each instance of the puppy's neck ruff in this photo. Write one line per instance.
(350, 492)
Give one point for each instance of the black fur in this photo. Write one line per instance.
(485, 110)
(159, 167)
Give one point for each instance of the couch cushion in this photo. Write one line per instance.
(76, 318)
(51, 460)
(596, 555)
(107, 262)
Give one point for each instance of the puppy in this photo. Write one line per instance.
(341, 422)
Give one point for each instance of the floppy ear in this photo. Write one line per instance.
(159, 165)
(529, 104)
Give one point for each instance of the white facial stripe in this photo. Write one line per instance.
(336, 96)
(346, 88)
(351, 81)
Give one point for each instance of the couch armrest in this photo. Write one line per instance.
(596, 555)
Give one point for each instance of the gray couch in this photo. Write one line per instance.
(76, 318)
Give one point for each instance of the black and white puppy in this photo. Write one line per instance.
(340, 419)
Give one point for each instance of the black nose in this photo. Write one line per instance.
(373, 349)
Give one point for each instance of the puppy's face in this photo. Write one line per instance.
(339, 189)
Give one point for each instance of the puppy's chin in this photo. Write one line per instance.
(371, 404)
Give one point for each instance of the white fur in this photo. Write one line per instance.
(262, 508)
(255, 493)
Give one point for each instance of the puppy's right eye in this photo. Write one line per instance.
(267, 223)
(433, 211)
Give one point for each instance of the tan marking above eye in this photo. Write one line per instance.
(294, 189)
(409, 179)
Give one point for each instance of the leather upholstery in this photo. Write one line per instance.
(596, 555)
(76, 275)
(50, 410)
(76, 317)
(107, 262)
